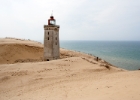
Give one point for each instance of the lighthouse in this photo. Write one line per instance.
(51, 40)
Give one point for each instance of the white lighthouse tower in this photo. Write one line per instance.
(51, 40)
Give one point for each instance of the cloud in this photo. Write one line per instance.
(78, 20)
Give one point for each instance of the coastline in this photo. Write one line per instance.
(29, 45)
(75, 76)
(126, 55)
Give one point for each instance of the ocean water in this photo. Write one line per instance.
(123, 54)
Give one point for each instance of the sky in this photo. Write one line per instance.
(107, 20)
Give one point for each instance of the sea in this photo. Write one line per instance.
(123, 54)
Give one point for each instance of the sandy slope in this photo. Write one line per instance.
(79, 77)
(16, 50)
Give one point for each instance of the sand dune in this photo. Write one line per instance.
(17, 50)
(12, 53)
(75, 77)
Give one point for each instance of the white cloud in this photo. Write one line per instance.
(78, 20)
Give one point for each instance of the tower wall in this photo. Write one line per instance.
(51, 42)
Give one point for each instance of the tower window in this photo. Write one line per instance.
(55, 43)
(56, 38)
(48, 33)
(48, 38)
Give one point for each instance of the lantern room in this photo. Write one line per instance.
(51, 21)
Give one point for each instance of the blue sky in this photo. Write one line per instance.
(78, 20)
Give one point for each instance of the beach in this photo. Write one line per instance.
(75, 76)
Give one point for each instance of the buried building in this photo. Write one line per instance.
(51, 40)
